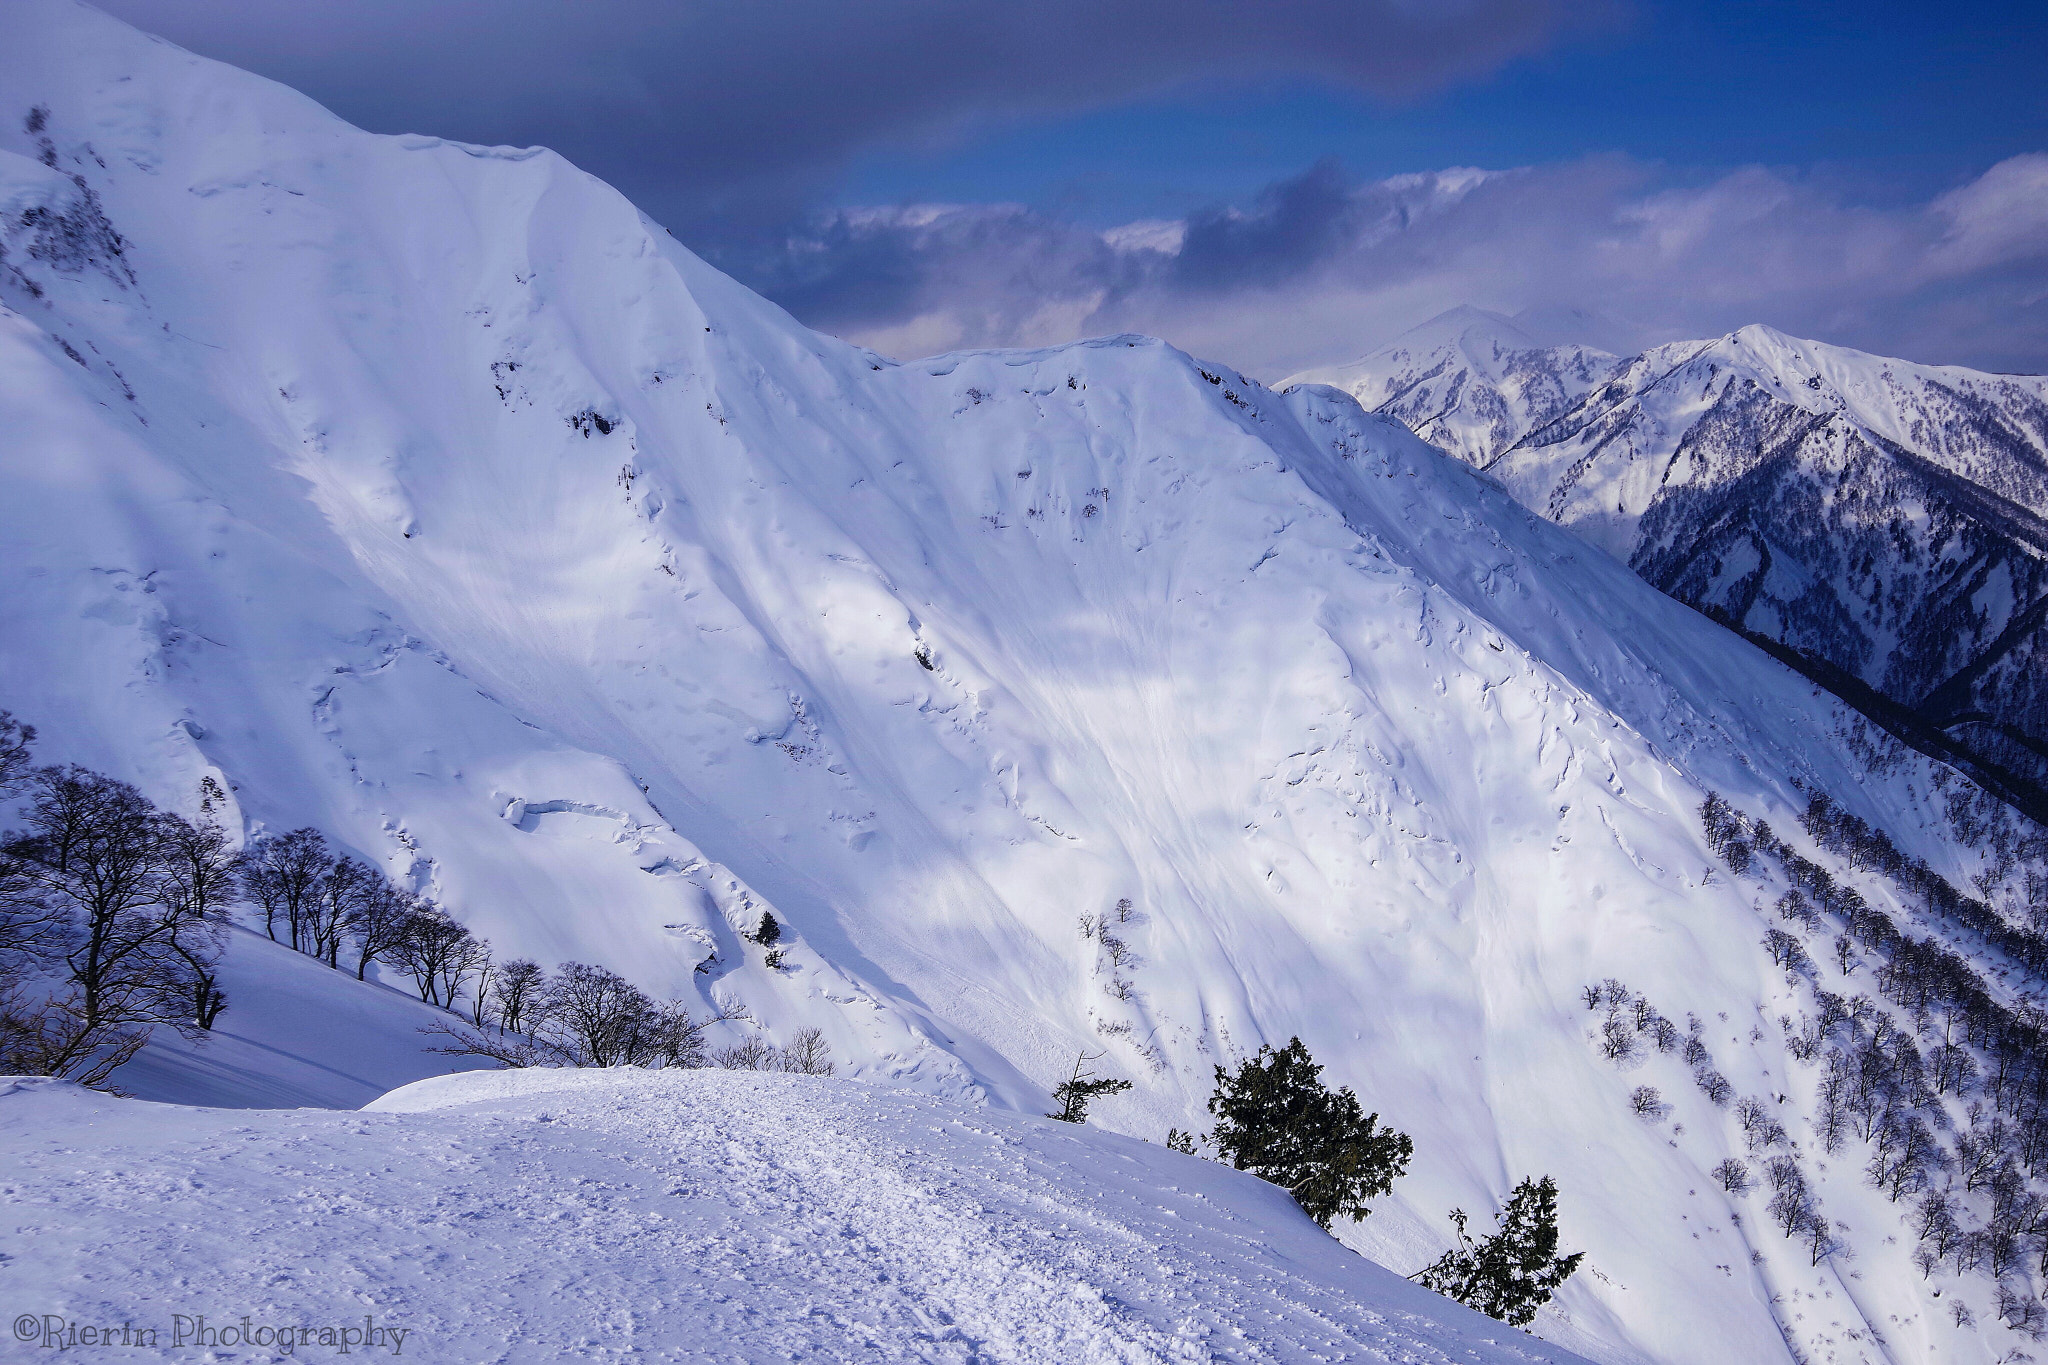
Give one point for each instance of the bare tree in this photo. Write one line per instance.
(1618, 1041)
(676, 1038)
(1934, 1222)
(15, 739)
(1821, 1240)
(748, 1054)
(808, 1053)
(338, 899)
(1981, 1150)
(515, 994)
(480, 996)
(93, 848)
(602, 1017)
(1733, 1175)
(35, 929)
(282, 874)
(122, 907)
(44, 1035)
(583, 1016)
(200, 885)
(379, 922)
(512, 1050)
(438, 952)
(1713, 1085)
(1785, 950)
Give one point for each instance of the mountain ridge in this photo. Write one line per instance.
(1710, 465)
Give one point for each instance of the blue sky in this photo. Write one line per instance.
(1899, 101)
(926, 174)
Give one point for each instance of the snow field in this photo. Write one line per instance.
(703, 1216)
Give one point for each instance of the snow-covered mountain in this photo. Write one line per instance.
(677, 1216)
(1468, 381)
(432, 495)
(1882, 518)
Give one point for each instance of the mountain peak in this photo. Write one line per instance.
(1478, 330)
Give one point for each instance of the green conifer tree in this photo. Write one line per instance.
(1276, 1119)
(1514, 1272)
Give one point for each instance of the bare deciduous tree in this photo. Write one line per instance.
(113, 922)
(808, 1053)
(439, 953)
(282, 874)
(201, 886)
(1733, 1175)
(515, 994)
(45, 1035)
(379, 922)
(15, 739)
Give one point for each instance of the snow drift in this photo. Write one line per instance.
(432, 495)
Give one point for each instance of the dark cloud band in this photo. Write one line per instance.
(726, 100)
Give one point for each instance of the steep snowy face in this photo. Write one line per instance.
(1091, 697)
(677, 1216)
(1468, 381)
(1883, 518)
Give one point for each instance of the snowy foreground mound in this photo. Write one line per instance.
(433, 496)
(703, 1216)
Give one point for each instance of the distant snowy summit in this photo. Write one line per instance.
(1469, 381)
(1881, 519)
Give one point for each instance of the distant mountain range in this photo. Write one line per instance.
(1878, 523)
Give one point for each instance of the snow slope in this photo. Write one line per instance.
(432, 495)
(700, 1216)
(1889, 520)
(295, 1034)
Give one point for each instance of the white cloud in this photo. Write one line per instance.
(1321, 268)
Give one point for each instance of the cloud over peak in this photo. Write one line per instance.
(1321, 266)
